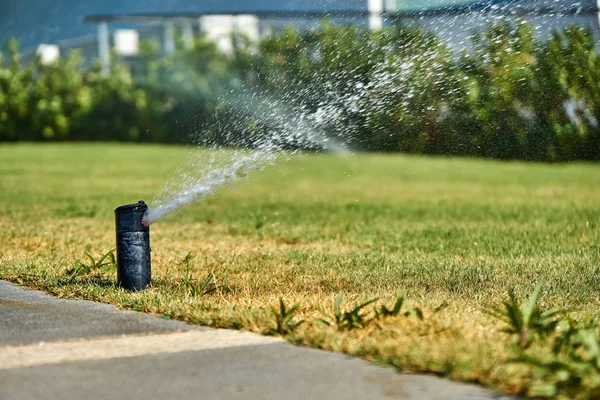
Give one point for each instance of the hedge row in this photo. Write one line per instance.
(398, 90)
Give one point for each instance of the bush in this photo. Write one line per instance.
(16, 103)
(402, 89)
(60, 102)
(399, 89)
(571, 75)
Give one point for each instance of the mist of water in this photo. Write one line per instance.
(189, 187)
(207, 167)
(284, 127)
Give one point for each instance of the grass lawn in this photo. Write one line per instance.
(456, 231)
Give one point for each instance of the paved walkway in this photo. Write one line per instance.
(61, 349)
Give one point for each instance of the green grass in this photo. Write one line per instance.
(371, 226)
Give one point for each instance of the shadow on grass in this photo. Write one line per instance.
(98, 281)
(179, 285)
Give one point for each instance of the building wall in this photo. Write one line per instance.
(50, 21)
(219, 28)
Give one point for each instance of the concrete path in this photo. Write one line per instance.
(52, 348)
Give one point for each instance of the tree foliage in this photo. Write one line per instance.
(510, 96)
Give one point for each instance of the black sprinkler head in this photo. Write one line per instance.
(133, 247)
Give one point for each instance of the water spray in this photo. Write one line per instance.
(133, 247)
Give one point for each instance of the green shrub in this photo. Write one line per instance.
(572, 76)
(16, 102)
(398, 89)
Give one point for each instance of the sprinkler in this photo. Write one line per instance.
(133, 247)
